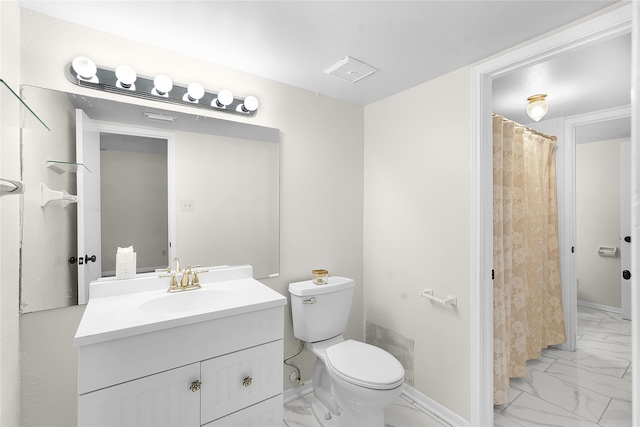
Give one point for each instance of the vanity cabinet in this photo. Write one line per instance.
(220, 372)
(160, 399)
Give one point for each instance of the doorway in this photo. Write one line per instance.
(598, 140)
(612, 24)
(90, 227)
(133, 201)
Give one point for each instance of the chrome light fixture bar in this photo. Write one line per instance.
(125, 81)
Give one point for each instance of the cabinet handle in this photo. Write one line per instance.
(247, 381)
(195, 386)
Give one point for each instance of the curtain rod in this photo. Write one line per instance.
(551, 137)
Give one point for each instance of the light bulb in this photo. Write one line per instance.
(126, 77)
(537, 107)
(85, 69)
(162, 86)
(225, 98)
(250, 104)
(195, 91)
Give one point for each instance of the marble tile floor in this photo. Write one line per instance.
(404, 412)
(588, 387)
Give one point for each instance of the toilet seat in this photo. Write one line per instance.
(365, 365)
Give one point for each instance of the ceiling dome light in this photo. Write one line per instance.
(225, 98)
(537, 107)
(126, 77)
(250, 104)
(85, 69)
(162, 85)
(195, 91)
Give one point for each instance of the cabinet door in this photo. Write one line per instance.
(241, 379)
(263, 414)
(163, 399)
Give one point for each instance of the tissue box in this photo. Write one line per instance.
(125, 264)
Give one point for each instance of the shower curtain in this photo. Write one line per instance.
(527, 294)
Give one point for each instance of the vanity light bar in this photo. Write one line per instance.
(125, 81)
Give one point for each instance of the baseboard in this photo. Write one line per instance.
(444, 413)
(293, 393)
(435, 408)
(600, 306)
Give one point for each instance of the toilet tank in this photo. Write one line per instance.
(320, 312)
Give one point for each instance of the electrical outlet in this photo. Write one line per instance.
(187, 205)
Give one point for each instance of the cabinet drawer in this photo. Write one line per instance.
(263, 414)
(163, 399)
(238, 380)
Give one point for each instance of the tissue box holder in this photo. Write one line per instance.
(125, 265)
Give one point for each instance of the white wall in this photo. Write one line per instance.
(321, 158)
(417, 229)
(598, 221)
(47, 400)
(9, 222)
(234, 210)
(54, 222)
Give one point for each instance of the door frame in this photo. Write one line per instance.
(568, 259)
(171, 171)
(606, 26)
(170, 137)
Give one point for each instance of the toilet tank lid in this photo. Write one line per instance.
(334, 284)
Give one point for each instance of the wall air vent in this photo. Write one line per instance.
(350, 69)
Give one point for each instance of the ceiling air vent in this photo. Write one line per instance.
(350, 69)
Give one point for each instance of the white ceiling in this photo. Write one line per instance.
(584, 80)
(410, 42)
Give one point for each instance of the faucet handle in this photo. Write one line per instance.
(196, 280)
(174, 282)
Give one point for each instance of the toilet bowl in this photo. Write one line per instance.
(352, 381)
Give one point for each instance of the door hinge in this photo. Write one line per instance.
(573, 249)
(493, 274)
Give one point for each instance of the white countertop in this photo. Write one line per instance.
(114, 308)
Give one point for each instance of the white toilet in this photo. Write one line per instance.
(352, 381)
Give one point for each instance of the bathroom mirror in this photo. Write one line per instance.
(222, 193)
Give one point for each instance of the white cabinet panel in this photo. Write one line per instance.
(263, 414)
(112, 362)
(237, 380)
(144, 380)
(163, 399)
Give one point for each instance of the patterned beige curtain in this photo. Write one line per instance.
(527, 294)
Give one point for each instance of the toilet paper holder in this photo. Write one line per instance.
(449, 300)
(607, 251)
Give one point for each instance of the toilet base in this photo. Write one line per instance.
(369, 418)
(320, 413)
(339, 403)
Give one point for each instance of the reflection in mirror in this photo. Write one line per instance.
(133, 201)
(225, 203)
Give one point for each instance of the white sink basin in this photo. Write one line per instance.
(187, 301)
(128, 307)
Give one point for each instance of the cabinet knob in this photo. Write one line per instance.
(247, 381)
(195, 386)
